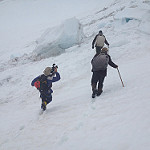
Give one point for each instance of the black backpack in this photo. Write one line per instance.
(100, 62)
(43, 84)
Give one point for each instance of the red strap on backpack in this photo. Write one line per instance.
(37, 84)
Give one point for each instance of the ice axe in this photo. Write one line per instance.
(120, 77)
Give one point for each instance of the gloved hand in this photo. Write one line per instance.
(92, 46)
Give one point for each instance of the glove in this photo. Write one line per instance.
(92, 46)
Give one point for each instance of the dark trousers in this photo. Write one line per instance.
(98, 49)
(46, 98)
(97, 77)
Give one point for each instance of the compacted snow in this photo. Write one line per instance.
(35, 34)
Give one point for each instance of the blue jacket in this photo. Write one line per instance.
(49, 81)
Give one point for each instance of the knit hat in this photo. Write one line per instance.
(100, 32)
(47, 71)
(104, 50)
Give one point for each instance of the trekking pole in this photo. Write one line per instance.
(120, 77)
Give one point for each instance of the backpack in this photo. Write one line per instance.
(100, 40)
(41, 84)
(100, 62)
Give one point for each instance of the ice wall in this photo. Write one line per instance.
(54, 41)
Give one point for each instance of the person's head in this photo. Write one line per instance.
(100, 32)
(104, 50)
(47, 71)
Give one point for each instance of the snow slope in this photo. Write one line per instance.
(117, 120)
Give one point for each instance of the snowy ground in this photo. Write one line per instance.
(117, 120)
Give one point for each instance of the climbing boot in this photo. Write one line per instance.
(99, 92)
(43, 105)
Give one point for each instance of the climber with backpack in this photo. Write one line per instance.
(44, 84)
(99, 68)
(99, 42)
